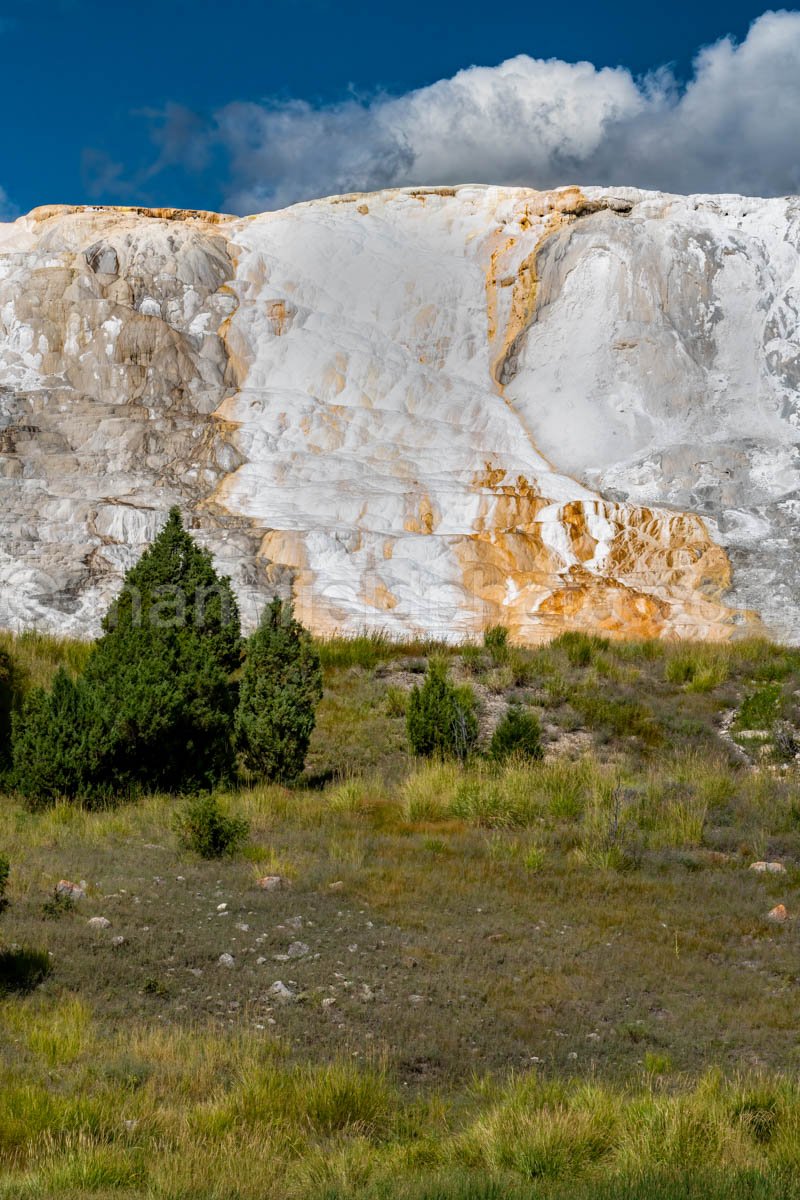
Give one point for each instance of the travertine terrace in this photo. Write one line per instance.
(425, 410)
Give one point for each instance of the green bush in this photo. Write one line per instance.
(53, 736)
(518, 733)
(760, 708)
(495, 640)
(441, 718)
(204, 827)
(280, 689)
(8, 695)
(5, 870)
(22, 968)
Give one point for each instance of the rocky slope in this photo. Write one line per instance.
(424, 410)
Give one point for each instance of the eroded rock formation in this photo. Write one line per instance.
(428, 409)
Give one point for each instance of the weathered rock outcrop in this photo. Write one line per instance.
(422, 410)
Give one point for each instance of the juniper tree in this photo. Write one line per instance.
(161, 673)
(52, 750)
(440, 717)
(280, 689)
(518, 733)
(7, 698)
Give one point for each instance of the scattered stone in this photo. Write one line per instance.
(294, 923)
(241, 925)
(98, 922)
(336, 886)
(778, 914)
(225, 960)
(298, 950)
(770, 868)
(328, 1002)
(221, 907)
(280, 992)
(119, 940)
(260, 960)
(416, 999)
(72, 891)
(366, 993)
(272, 883)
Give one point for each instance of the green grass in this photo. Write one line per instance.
(550, 979)
(39, 655)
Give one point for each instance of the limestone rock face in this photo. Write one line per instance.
(421, 410)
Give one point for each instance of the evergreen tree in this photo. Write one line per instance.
(280, 689)
(7, 698)
(441, 718)
(161, 672)
(52, 735)
(518, 733)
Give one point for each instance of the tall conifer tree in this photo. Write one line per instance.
(280, 690)
(161, 672)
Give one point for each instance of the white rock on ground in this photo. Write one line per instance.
(280, 992)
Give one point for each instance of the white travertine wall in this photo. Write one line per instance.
(422, 410)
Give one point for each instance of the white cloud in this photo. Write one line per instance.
(8, 210)
(734, 126)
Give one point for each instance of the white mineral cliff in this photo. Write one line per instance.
(422, 410)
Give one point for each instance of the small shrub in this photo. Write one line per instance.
(525, 667)
(22, 968)
(205, 828)
(441, 718)
(495, 640)
(58, 905)
(473, 659)
(5, 870)
(155, 987)
(518, 733)
(760, 709)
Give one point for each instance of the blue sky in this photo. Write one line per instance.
(252, 104)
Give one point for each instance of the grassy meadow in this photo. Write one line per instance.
(532, 979)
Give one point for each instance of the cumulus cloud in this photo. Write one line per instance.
(733, 126)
